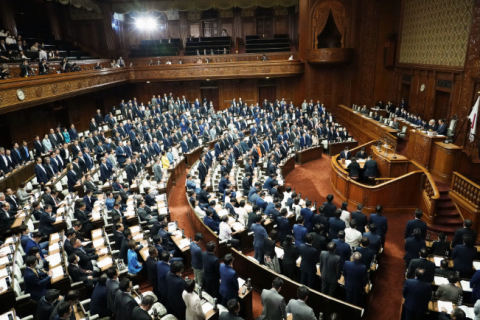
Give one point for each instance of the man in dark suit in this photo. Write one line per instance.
(84, 217)
(47, 303)
(423, 263)
(151, 266)
(175, 286)
(308, 265)
(40, 172)
(375, 240)
(328, 207)
(370, 167)
(211, 270)
(416, 223)
(124, 302)
(79, 274)
(36, 281)
(330, 269)
(228, 280)
(99, 299)
(233, 307)
(336, 225)
(345, 154)
(46, 221)
(413, 246)
(85, 258)
(141, 312)
(344, 250)
(7, 217)
(118, 235)
(463, 256)
(458, 237)
(355, 274)
(360, 218)
(112, 286)
(380, 221)
(417, 293)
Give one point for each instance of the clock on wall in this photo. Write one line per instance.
(20, 95)
(422, 87)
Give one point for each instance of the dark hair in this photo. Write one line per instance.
(277, 283)
(330, 198)
(189, 285)
(424, 252)
(111, 272)
(302, 293)
(418, 213)
(52, 295)
(232, 305)
(331, 247)
(30, 261)
(300, 219)
(165, 256)
(103, 279)
(176, 267)
(365, 242)
(353, 224)
(379, 209)
(228, 259)
(341, 235)
(63, 308)
(210, 246)
(124, 284)
(72, 257)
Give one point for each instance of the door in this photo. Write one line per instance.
(212, 95)
(442, 99)
(210, 28)
(406, 92)
(265, 26)
(267, 92)
(62, 117)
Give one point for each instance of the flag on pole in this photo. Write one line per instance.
(473, 120)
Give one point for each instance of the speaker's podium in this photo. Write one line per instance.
(430, 151)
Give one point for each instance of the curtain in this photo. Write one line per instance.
(319, 22)
(88, 5)
(187, 5)
(339, 16)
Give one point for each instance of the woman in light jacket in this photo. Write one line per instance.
(192, 301)
(133, 265)
(47, 144)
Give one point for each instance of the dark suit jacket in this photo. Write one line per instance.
(412, 249)
(44, 309)
(99, 303)
(124, 304)
(355, 274)
(46, 224)
(309, 259)
(85, 259)
(36, 285)
(463, 257)
(112, 288)
(211, 267)
(175, 287)
(329, 209)
(424, 264)
(329, 267)
(417, 294)
(458, 237)
(140, 314)
(414, 224)
(151, 266)
(361, 220)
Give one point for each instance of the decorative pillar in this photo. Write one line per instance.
(6, 15)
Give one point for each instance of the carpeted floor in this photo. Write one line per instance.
(313, 180)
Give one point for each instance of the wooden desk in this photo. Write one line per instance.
(363, 128)
(388, 167)
(192, 156)
(287, 166)
(421, 147)
(177, 170)
(310, 154)
(446, 160)
(22, 174)
(336, 148)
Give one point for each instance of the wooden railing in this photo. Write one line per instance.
(465, 194)
(415, 189)
(42, 89)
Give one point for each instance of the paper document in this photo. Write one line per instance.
(104, 250)
(465, 285)
(172, 226)
(104, 262)
(98, 243)
(207, 306)
(437, 261)
(241, 282)
(279, 252)
(468, 312)
(440, 280)
(5, 315)
(57, 272)
(445, 304)
(135, 229)
(183, 243)
(299, 260)
(138, 237)
(55, 236)
(59, 219)
(3, 273)
(54, 259)
(53, 247)
(476, 265)
(97, 233)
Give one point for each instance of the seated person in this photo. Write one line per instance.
(449, 292)
(133, 265)
(36, 281)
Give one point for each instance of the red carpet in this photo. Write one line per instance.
(313, 180)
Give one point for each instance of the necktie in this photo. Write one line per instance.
(35, 271)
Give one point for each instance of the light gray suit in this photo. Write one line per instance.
(157, 171)
(22, 196)
(300, 310)
(273, 305)
(448, 292)
(296, 144)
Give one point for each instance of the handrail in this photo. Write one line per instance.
(466, 188)
(432, 189)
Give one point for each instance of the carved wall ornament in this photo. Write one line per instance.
(39, 91)
(55, 88)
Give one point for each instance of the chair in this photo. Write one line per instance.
(381, 118)
(402, 133)
(370, 114)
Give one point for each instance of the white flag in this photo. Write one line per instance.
(473, 120)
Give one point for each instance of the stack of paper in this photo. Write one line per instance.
(440, 280)
(476, 265)
(54, 259)
(468, 312)
(104, 262)
(98, 243)
(97, 233)
(5, 315)
(59, 219)
(465, 285)
(437, 261)
(279, 252)
(241, 282)
(445, 304)
(183, 243)
(135, 229)
(57, 272)
(206, 307)
(54, 236)
(53, 247)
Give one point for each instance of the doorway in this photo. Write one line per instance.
(212, 95)
(405, 94)
(267, 92)
(442, 99)
(62, 117)
(264, 20)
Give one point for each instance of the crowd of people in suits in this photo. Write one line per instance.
(421, 269)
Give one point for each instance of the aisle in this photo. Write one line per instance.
(178, 206)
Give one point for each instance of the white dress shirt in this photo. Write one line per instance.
(225, 232)
(353, 237)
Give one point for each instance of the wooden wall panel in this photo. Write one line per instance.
(281, 25)
(248, 27)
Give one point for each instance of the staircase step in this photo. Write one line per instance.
(444, 196)
(445, 205)
(449, 221)
(449, 230)
(448, 213)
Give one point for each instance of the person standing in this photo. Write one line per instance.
(197, 263)
(228, 280)
(299, 308)
(192, 301)
(417, 294)
(329, 269)
(259, 236)
(273, 303)
(355, 274)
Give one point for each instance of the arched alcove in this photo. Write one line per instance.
(330, 37)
